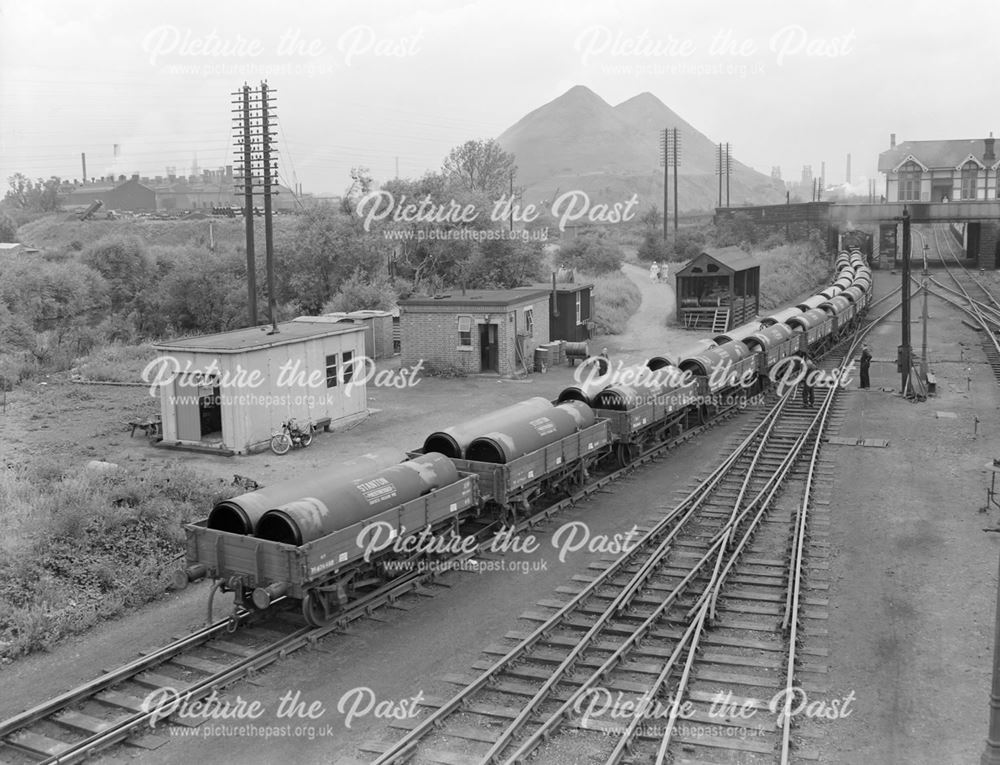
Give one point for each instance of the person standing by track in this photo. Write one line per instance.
(866, 362)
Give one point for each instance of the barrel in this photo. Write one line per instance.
(452, 442)
(347, 502)
(239, 515)
(528, 433)
(576, 350)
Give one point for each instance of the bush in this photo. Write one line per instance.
(360, 294)
(653, 247)
(592, 252)
(8, 228)
(616, 299)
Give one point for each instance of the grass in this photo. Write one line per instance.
(615, 298)
(789, 270)
(82, 546)
(116, 363)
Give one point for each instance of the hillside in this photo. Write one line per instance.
(579, 141)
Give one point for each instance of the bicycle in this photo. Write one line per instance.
(291, 435)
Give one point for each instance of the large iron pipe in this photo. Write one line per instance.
(351, 501)
(452, 442)
(528, 433)
(240, 515)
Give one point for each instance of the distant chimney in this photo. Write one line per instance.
(988, 154)
(892, 140)
(229, 171)
(135, 176)
(848, 179)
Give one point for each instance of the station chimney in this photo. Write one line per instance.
(848, 178)
(83, 159)
(892, 140)
(988, 153)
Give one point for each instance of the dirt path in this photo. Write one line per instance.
(647, 333)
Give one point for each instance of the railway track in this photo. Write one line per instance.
(986, 314)
(113, 707)
(626, 665)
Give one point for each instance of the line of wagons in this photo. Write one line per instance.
(327, 538)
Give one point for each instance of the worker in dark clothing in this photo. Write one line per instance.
(808, 367)
(866, 362)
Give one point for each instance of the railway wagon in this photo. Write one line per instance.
(510, 486)
(815, 327)
(641, 416)
(326, 573)
(722, 368)
(842, 311)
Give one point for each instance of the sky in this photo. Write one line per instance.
(387, 84)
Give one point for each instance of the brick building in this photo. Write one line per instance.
(489, 331)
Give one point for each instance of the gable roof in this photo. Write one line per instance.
(730, 259)
(935, 154)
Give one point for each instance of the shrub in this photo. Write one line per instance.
(359, 294)
(592, 252)
(653, 247)
(83, 546)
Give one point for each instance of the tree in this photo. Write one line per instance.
(8, 228)
(481, 166)
(592, 252)
(361, 184)
(505, 263)
(124, 263)
(34, 196)
(652, 246)
(325, 250)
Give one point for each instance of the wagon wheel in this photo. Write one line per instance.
(624, 453)
(314, 609)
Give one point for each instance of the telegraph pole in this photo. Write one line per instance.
(903, 358)
(676, 156)
(728, 155)
(241, 128)
(664, 140)
(257, 175)
(265, 119)
(720, 175)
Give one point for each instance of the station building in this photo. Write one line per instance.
(940, 171)
(243, 385)
(481, 331)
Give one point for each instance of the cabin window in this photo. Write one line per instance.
(331, 371)
(529, 321)
(348, 366)
(464, 331)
